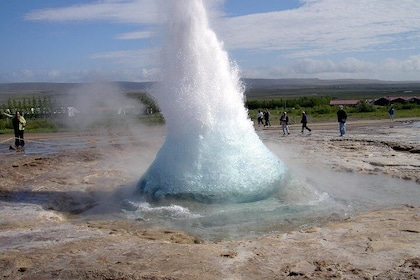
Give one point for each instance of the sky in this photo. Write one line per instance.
(81, 41)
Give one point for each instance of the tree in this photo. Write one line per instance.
(365, 107)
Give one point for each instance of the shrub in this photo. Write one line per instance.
(364, 107)
(41, 125)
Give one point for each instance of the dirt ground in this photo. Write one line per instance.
(45, 190)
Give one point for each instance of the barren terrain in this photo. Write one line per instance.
(46, 191)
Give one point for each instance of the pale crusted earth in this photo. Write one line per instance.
(45, 191)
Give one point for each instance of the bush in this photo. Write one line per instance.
(41, 125)
(364, 108)
(5, 124)
(323, 109)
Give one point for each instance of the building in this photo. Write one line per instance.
(387, 100)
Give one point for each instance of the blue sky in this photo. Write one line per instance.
(79, 41)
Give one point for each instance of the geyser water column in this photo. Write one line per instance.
(211, 152)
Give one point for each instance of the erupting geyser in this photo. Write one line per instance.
(211, 152)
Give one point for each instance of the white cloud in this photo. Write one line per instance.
(137, 11)
(117, 74)
(306, 66)
(130, 58)
(321, 38)
(135, 35)
(326, 26)
(348, 65)
(349, 68)
(317, 27)
(412, 64)
(31, 76)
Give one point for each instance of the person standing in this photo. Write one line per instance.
(19, 124)
(260, 117)
(304, 122)
(391, 114)
(284, 122)
(267, 117)
(342, 118)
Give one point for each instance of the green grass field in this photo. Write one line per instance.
(314, 100)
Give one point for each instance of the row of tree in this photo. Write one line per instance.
(34, 107)
(44, 107)
(316, 105)
(304, 102)
(27, 103)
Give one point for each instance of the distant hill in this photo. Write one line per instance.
(344, 88)
(254, 87)
(251, 84)
(63, 90)
(255, 84)
(63, 87)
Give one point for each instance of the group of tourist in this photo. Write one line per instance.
(264, 117)
(284, 121)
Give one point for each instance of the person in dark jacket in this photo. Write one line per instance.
(342, 118)
(267, 117)
(304, 122)
(19, 124)
(391, 114)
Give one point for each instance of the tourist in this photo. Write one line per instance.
(391, 114)
(19, 124)
(342, 118)
(284, 122)
(267, 117)
(260, 116)
(304, 122)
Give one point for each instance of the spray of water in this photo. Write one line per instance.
(211, 152)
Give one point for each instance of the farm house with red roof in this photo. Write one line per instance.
(387, 100)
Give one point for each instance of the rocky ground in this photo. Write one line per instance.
(46, 191)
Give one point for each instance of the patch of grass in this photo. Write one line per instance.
(32, 125)
(354, 114)
(60, 124)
